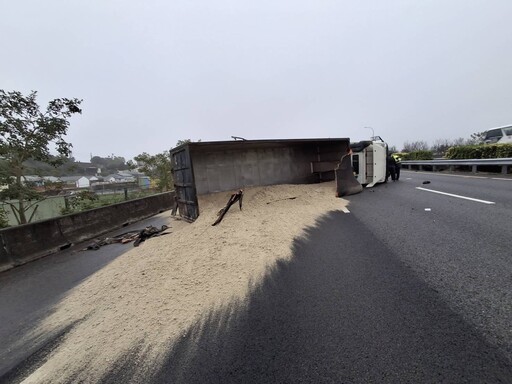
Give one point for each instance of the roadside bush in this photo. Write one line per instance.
(482, 151)
(85, 200)
(81, 201)
(418, 155)
(4, 222)
(66, 210)
(401, 155)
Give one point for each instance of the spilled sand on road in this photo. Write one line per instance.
(152, 294)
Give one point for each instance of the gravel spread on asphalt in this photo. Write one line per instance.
(148, 297)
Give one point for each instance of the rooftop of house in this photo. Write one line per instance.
(71, 178)
(51, 178)
(32, 178)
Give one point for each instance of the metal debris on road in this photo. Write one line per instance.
(286, 198)
(232, 200)
(149, 232)
(137, 236)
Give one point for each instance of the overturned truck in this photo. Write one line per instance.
(206, 167)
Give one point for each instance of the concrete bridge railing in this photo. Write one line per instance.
(24, 243)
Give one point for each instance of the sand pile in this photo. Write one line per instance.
(152, 294)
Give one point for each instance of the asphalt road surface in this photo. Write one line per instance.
(411, 286)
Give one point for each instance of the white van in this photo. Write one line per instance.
(500, 135)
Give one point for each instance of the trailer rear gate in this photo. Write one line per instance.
(183, 176)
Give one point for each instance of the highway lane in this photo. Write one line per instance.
(492, 188)
(389, 292)
(461, 248)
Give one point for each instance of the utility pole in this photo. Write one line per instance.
(373, 132)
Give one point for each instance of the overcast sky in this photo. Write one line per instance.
(154, 72)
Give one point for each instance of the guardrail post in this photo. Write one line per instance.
(474, 168)
(504, 169)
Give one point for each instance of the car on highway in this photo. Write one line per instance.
(500, 135)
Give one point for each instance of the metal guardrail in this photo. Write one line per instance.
(502, 161)
(473, 163)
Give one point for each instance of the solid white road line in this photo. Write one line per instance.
(458, 196)
(345, 210)
(501, 178)
(471, 177)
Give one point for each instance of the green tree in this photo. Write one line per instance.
(440, 146)
(185, 141)
(157, 167)
(99, 161)
(81, 201)
(4, 222)
(26, 133)
(414, 146)
(110, 164)
(181, 142)
(477, 138)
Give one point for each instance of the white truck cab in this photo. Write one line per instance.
(369, 161)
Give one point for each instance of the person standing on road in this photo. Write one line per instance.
(398, 165)
(390, 168)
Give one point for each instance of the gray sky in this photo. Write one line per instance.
(153, 72)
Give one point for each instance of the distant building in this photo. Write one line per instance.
(51, 179)
(144, 182)
(94, 179)
(120, 178)
(125, 173)
(34, 180)
(76, 181)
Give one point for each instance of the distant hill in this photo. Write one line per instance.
(106, 165)
(69, 168)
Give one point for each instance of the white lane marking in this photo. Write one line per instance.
(446, 174)
(345, 210)
(459, 196)
(500, 178)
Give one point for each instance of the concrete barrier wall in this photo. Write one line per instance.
(24, 243)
